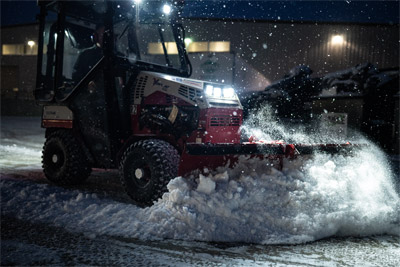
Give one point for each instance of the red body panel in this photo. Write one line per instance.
(222, 125)
(216, 125)
(160, 98)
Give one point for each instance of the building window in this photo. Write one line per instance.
(192, 47)
(197, 47)
(20, 49)
(223, 46)
(157, 48)
(13, 49)
(214, 47)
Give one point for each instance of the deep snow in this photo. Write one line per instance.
(308, 200)
(246, 204)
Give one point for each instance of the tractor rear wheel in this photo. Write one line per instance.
(146, 168)
(64, 161)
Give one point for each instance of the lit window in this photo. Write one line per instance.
(220, 46)
(198, 47)
(157, 48)
(191, 47)
(20, 49)
(13, 49)
(172, 48)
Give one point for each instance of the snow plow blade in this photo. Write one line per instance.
(327, 148)
(212, 156)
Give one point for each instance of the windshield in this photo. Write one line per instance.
(149, 34)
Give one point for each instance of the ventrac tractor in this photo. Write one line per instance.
(113, 81)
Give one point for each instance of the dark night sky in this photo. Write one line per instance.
(22, 11)
(18, 12)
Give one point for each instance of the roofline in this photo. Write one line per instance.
(295, 21)
(255, 20)
(20, 25)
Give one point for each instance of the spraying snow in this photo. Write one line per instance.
(264, 125)
(307, 200)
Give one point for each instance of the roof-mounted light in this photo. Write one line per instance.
(167, 9)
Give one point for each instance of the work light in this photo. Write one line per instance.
(219, 92)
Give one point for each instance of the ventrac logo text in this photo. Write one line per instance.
(158, 83)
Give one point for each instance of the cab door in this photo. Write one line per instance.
(68, 39)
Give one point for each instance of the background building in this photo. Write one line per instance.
(18, 69)
(248, 54)
(271, 49)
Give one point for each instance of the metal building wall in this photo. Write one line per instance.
(24, 65)
(273, 48)
(19, 72)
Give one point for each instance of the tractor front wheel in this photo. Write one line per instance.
(64, 161)
(146, 168)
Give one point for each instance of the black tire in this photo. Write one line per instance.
(146, 168)
(64, 161)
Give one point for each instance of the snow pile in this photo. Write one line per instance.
(27, 157)
(21, 143)
(307, 200)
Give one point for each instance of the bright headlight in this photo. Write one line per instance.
(228, 92)
(219, 92)
(209, 90)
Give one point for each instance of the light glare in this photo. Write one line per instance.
(188, 41)
(217, 92)
(337, 40)
(31, 43)
(228, 92)
(166, 9)
(209, 90)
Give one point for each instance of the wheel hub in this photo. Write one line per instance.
(54, 158)
(139, 173)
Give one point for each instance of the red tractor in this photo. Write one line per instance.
(113, 82)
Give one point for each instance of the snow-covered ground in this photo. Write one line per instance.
(254, 212)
